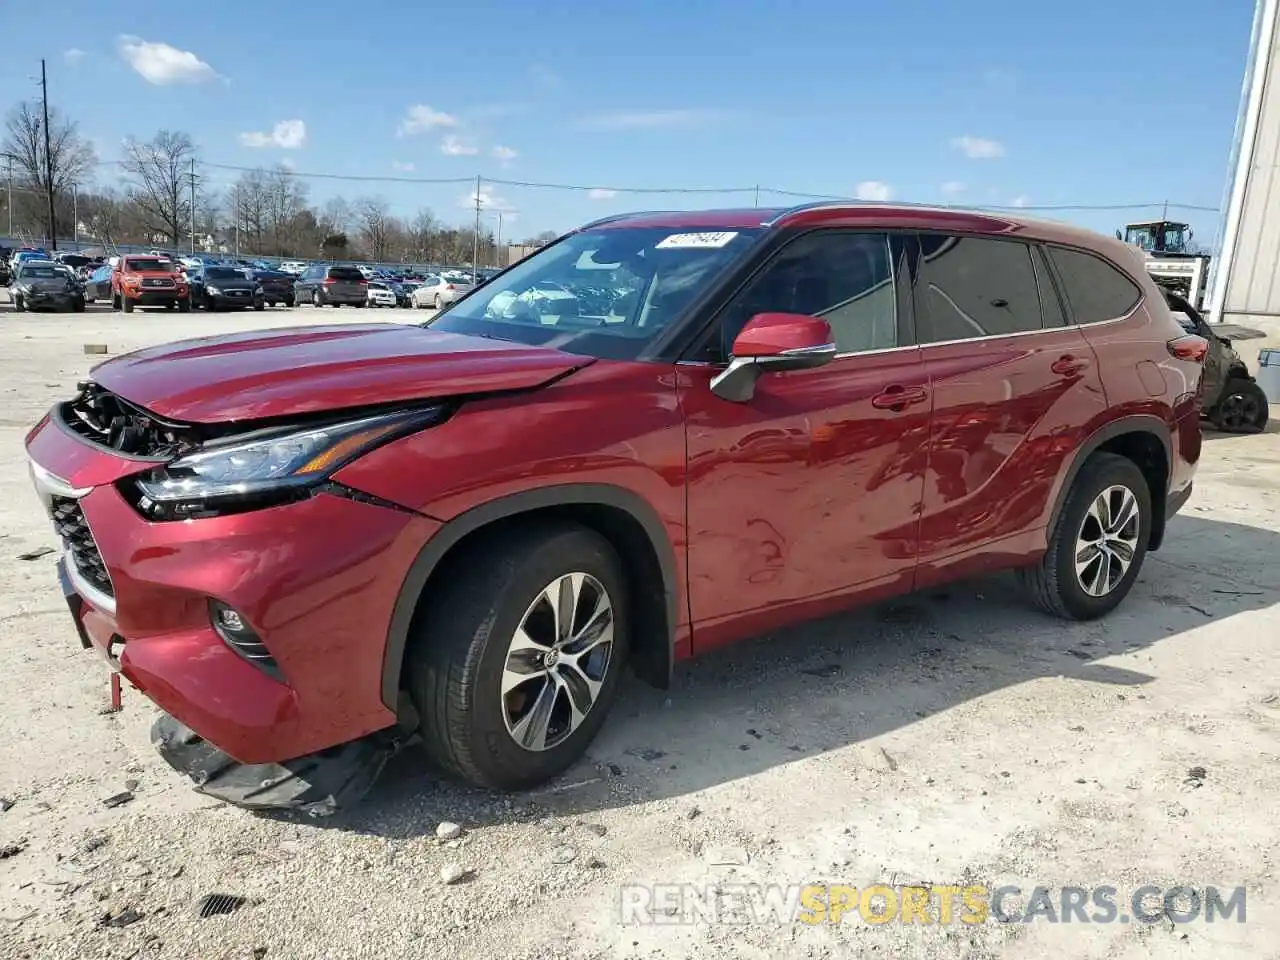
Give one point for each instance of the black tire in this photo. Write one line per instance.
(1052, 583)
(1243, 408)
(358, 305)
(184, 305)
(259, 306)
(316, 300)
(115, 301)
(289, 302)
(19, 304)
(437, 301)
(78, 305)
(459, 647)
(126, 304)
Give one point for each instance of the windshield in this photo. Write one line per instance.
(222, 273)
(153, 265)
(603, 293)
(41, 273)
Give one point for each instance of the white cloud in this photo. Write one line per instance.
(873, 190)
(489, 201)
(648, 119)
(287, 135)
(1021, 200)
(601, 193)
(402, 165)
(452, 146)
(978, 148)
(421, 118)
(164, 65)
(288, 165)
(504, 155)
(73, 56)
(953, 188)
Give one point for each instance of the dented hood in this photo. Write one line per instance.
(304, 370)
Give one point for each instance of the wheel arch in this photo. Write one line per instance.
(1144, 439)
(625, 518)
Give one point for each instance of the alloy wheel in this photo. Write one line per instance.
(557, 661)
(1239, 412)
(1108, 540)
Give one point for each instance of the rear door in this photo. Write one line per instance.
(1014, 388)
(808, 495)
(346, 282)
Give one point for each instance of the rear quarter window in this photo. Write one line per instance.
(1095, 290)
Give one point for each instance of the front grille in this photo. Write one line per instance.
(69, 522)
(156, 282)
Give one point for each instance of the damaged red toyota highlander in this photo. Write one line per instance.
(655, 436)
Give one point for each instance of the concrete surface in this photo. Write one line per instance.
(957, 737)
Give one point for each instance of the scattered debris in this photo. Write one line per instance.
(562, 787)
(126, 917)
(18, 919)
(595, 863)
(1195, 776)
(94, 348)
(117, 800)
(259, 953)
(1076, 729)
(755, 733)
(645, 753)
(215, 904)
(93, 843)
(448, 831)
(693, 813)
(563, 855)
(892, 763)
(37, 553)
(725, 856)
(12, 849)
(599, 829)
(824, 672)
(5, 804)
(453, 873)
(1080, 654)
(614, 770)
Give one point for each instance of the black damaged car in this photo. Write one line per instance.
(277, 286)
(45, 285)
(225, 288)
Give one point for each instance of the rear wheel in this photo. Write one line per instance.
(1244, 408)
(289, 302)
(437, 301)
(77, 305)
(126, 303)
(315, 299)
(1097, 544)
(516, 661)
(184, 305)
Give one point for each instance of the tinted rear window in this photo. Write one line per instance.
(1095, 290)
(346, 273)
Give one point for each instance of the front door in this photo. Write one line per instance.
(808, 495)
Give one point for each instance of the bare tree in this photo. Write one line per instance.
(420, 236)
(377, 226)
(286, 199)
(70, 159)
(250, 208)
(159, 185)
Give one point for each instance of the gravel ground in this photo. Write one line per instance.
(953, 737)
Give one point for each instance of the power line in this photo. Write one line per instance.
(755, 190)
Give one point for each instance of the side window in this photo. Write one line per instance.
(843, 277)
(1096, 290)
(975, 287)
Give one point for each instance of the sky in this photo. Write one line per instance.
(985, 102)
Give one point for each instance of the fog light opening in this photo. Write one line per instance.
(233, 629)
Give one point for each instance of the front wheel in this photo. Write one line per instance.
(77, 305)
(259, 305)
(126, 303)
(1244, 408)
(184, 305)
(516, 661)
(1097, 544)
(19, 304)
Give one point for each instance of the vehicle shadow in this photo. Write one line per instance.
(839, 682)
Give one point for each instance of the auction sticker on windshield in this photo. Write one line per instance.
(696, 240)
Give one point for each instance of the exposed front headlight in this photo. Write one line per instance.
(214, 290)
(257, 291)
(275, 462)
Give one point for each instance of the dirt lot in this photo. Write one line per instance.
(955, 737)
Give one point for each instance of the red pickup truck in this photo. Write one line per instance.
(148, 281)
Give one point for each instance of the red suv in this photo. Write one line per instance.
(307, 545)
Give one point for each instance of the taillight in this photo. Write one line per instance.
(329, 280)
(448, 286)
(1189, 347)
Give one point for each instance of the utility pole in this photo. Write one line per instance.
(48, 158)
(193, 206)
(475, 240)
(9, 157)
(235, 212)
(75, 214)
(497, 244)
(757, 194)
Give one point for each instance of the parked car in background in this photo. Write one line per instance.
(97, 286)
(294, 267)
(332, 286)
(403, 290)
(380, 294)
(148, 281)
(45, 285)
(438, 291)
(277, 286)
(225, 288)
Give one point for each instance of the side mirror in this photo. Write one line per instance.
(773, 343)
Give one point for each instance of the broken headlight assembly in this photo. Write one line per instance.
(267, 467)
